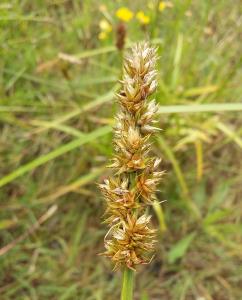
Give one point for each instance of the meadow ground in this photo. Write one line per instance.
(59, 70)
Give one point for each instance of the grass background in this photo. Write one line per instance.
(57, 85)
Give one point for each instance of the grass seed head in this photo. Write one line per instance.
(130, 239)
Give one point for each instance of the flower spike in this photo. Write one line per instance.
(130, 240)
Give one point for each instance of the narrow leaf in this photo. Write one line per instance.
(180, 248)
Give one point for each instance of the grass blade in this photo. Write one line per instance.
(202, 90)
(229, 133)
(55, 153)
(180, 248)
(160, 215)
(213, 107)
(181, 179)
(106, 129)
(100, 51)
(199, 156)
(169, 153)
(83, 180)
(64, 128)
(177, 60)
(99, 101)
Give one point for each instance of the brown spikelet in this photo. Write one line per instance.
(130, 239)
(120, 35)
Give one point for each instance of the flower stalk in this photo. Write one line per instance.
(130, 239)
(128, 284)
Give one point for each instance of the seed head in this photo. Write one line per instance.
(130, 239)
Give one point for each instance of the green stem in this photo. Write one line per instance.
(128, 284)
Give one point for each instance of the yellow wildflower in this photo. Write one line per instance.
(124, 14)
(162, 6)
(142, 17)
(102, 35)
(105, 27)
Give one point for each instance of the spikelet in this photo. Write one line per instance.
(130, 239)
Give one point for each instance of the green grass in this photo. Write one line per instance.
(57, 103)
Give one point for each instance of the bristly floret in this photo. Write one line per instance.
(148, 180)
(139, 80)
(130, 240)
(120, 200)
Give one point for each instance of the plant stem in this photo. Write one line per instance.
(128, 284)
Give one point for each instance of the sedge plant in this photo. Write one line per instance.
(130, 239)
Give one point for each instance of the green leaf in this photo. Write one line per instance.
(180, 248)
